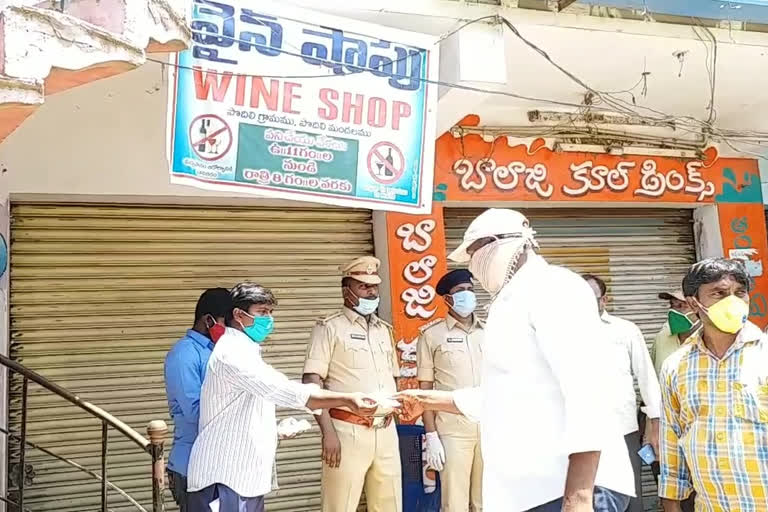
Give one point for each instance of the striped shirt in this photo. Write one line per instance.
(238, 430)
(714, 430)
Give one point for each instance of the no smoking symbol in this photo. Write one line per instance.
(386, 163)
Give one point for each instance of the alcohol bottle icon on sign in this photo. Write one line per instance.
(204, 125)
(210, 137)
(384, 168)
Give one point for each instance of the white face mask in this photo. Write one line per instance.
(490, 264)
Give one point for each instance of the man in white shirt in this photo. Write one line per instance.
(632, 361)
(233, 457)
(545, 416)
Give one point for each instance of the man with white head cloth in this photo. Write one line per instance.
(544, 406)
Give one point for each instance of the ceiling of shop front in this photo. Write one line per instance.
(656, 69)
(670, 72)
(752, 11)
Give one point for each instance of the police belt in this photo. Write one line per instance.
(369, 422)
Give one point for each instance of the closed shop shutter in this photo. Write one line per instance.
(99, 293)
(638, 252)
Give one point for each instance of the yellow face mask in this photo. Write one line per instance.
(729, 314)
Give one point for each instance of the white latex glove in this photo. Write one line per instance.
(435, 451)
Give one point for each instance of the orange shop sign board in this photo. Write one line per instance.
(470, 169)
(742, 228)
(416, 263)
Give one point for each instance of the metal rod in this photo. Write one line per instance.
(158, 479)
(104, 441)
(157, 430)
(13, 505)
(74, 399)
(77, 466)
(22, 441)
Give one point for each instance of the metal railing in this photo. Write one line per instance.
(156, 430)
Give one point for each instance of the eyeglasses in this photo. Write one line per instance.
(482, 242)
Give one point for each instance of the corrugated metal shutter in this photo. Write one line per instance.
(638, 252)
(98, 295)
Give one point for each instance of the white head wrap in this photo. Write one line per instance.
(494, 264)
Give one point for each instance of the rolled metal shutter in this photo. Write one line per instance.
(638, 252)
(99, 293)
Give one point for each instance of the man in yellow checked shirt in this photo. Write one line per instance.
(714, 428)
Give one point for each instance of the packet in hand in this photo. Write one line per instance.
(387, 405)
(290, 427)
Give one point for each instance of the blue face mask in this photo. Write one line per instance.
(464, 303)
(261, 327)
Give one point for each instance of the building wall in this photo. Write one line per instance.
(107, 138)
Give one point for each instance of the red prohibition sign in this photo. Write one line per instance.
(386, 163)
(210, 137)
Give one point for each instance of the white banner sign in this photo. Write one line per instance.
(287, 103)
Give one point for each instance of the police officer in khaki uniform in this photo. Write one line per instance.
(449, 357)
(353, 350)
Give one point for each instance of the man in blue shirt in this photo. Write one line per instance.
(185, 367)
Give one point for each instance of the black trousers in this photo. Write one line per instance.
(178, 486)
(634, 441)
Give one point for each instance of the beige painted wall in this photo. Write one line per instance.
(104, 138)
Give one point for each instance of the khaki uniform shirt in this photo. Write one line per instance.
(351, 354)
(451, 357)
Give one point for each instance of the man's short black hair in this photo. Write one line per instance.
(600, 283)
(246, 294)
(215, 302)
(713, 270)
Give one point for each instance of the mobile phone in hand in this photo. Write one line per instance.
(646, 454)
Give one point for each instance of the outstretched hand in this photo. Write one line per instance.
(411, 404)
(362, 405)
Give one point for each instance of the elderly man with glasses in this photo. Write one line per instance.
(545, 408)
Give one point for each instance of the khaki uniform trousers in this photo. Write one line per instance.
(461, 480)
(370, 459)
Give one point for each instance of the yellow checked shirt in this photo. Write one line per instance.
(714, 430)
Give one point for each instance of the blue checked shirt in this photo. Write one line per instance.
(185, 367)
(714, 429)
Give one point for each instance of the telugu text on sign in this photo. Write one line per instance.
(643, 179)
